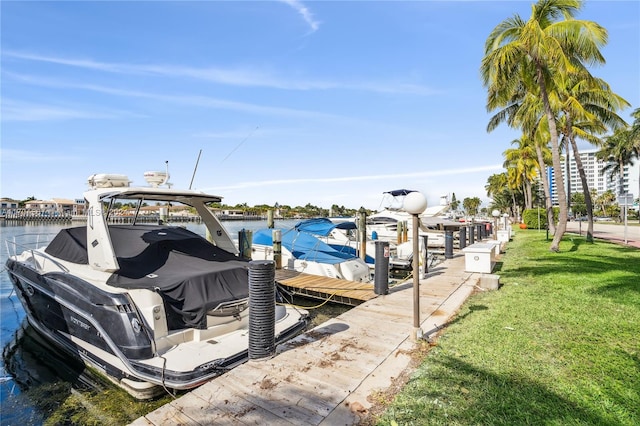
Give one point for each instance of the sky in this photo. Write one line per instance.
(289, 102)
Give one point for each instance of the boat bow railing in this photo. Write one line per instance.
(33, 244)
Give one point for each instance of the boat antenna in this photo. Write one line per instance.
(239, 145)
(166, 179)
(195, 168)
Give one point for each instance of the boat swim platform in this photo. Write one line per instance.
(326, 375)
(335, 290)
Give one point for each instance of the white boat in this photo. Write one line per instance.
(383, 225)
(149, 306)
(343, 237)
(304, 252)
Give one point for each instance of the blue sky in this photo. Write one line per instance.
(321, 102)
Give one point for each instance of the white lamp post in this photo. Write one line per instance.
(414, 204)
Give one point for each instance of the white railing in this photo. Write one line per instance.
(32, 244)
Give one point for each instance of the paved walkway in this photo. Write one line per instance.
(324, 376)
(611, 232)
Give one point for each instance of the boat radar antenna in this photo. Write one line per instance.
(156, 179)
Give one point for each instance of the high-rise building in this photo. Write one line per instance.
(596, 180)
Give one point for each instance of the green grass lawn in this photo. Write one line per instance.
(558, 344)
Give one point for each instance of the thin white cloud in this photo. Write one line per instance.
(306, 14)
(22, 111)
(23, 156)
(414, 175)
(242, 77)
(192, 100)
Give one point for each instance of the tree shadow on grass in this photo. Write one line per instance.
(623, 258)
(472, 395)
(576, 243)
(614, 277)
(456, 318)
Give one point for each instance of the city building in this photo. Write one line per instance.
(596, 180)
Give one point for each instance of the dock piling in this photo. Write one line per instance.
(448, 244)
(381, 271)
(262, 305)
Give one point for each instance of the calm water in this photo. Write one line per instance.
(36, 378)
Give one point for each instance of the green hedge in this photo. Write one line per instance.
(530, 217)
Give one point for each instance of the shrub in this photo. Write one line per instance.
(531, 216)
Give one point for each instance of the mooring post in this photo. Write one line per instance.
(270, 224)
(471, 234)
(462, 237)
(362, 230)
(244, 243)
(276, 237)
(381, 270)
(405, 232)
(448, 244)
(262, 309)
(400, 232)
(425, 260)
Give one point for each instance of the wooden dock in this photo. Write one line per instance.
(325, 288)
(326, 376)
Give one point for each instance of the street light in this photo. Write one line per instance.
(414, 204)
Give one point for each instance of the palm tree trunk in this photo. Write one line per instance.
(557, 165)
(585, 187)
(547, 191)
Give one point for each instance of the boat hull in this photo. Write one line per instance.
(106, 332)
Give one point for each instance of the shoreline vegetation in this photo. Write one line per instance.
(559, 343)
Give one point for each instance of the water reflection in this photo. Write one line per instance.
(42, 378)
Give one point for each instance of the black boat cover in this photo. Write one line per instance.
(192, 275)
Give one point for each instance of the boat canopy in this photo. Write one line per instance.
(303, 246)
(191, 275)
(399, 192)
(322, 226)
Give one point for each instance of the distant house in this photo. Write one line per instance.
(8, 206)
(54, 207)
(232, 213)
(69, 207)
(40, 207)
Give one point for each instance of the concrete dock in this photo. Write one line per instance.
(325, 376)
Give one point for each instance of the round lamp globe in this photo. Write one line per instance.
(415, 203)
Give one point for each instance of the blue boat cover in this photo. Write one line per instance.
(303, 246)
(322, 226)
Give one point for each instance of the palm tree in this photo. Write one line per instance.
(589, 108)
(471, 205)
(526, 113)
(605, 200)
(538, 50)
(504, 196)
(522, 167)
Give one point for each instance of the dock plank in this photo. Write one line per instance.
(321, 376)
(220, 405)
(320, 287)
